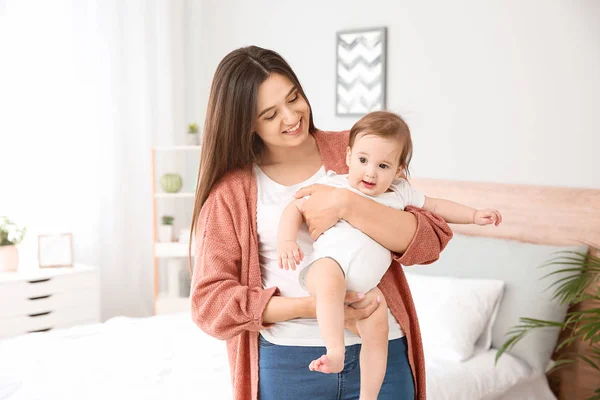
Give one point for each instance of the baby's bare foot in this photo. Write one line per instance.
(330, 363)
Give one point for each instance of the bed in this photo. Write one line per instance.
(556, 217)
(168, 357)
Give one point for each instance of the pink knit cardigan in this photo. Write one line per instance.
(227, 296)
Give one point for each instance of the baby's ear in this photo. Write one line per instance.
(348, 156)
(401, 173)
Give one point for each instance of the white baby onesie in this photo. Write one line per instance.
(363, 260)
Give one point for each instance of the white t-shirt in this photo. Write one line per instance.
(272, 200)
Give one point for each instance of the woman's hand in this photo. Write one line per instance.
(358, 306)
(324, 207)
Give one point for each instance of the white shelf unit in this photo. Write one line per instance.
(166, 304)
(175, 253)
(173, 195)
(171, 250)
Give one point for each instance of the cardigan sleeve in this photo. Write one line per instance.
(431, 237)
(221, 306)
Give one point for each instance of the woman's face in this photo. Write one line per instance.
(283, 114)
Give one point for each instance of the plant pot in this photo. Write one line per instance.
(192, 139)
(9, 258)
(184, 236)
(165, 233)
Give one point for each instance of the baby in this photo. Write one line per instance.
(344, 258)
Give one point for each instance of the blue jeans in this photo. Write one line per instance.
(284, 374)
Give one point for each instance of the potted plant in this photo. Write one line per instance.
(576, 283)
(193, 135)
(10, 236)
(165, 231)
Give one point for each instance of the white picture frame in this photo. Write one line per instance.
(55, 250)
(360, 71)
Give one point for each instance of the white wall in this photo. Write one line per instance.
(502, 91)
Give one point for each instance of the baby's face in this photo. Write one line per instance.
(374, 163)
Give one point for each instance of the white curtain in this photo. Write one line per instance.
(86, 88)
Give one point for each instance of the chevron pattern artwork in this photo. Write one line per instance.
(360, 83)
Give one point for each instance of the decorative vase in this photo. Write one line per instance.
(192, 139)
(9, 258)
(165, 233)
(171, 183)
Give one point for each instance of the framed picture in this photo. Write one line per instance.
(55, 250)
(360, 71)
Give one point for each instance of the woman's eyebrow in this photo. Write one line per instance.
(266, 110)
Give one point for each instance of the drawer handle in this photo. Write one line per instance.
(40, 330)
(39, 280)
(39, 297)
(40, 314)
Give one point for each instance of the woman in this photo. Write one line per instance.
(260, 147)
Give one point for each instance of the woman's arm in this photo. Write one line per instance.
(378, 221)
(328, 204)
(220, 305)
(415, 235)
(280, 309)
(285, 308)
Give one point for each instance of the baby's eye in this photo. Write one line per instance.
(383, 166)
(363, 160)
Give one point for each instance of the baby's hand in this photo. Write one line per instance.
(487, 216)
(290, 254)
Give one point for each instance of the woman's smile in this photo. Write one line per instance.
(294, 130)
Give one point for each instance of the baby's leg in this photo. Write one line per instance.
(325, 281)
(374, 352)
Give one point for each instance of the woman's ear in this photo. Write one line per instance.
(348, 156)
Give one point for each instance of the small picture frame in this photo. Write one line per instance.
(55, 250)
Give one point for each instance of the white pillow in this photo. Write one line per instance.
(455, 315)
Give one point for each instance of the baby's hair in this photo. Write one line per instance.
(387, 125)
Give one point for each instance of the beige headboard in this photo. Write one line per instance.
(535, 214)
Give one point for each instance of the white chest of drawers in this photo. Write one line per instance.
(44, 299)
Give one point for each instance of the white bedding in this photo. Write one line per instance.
(168, 357)
(476, 378)
(164, 357)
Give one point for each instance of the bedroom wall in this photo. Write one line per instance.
(501, 91)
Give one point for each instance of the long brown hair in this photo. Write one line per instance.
(228, 142)
(386, 124)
